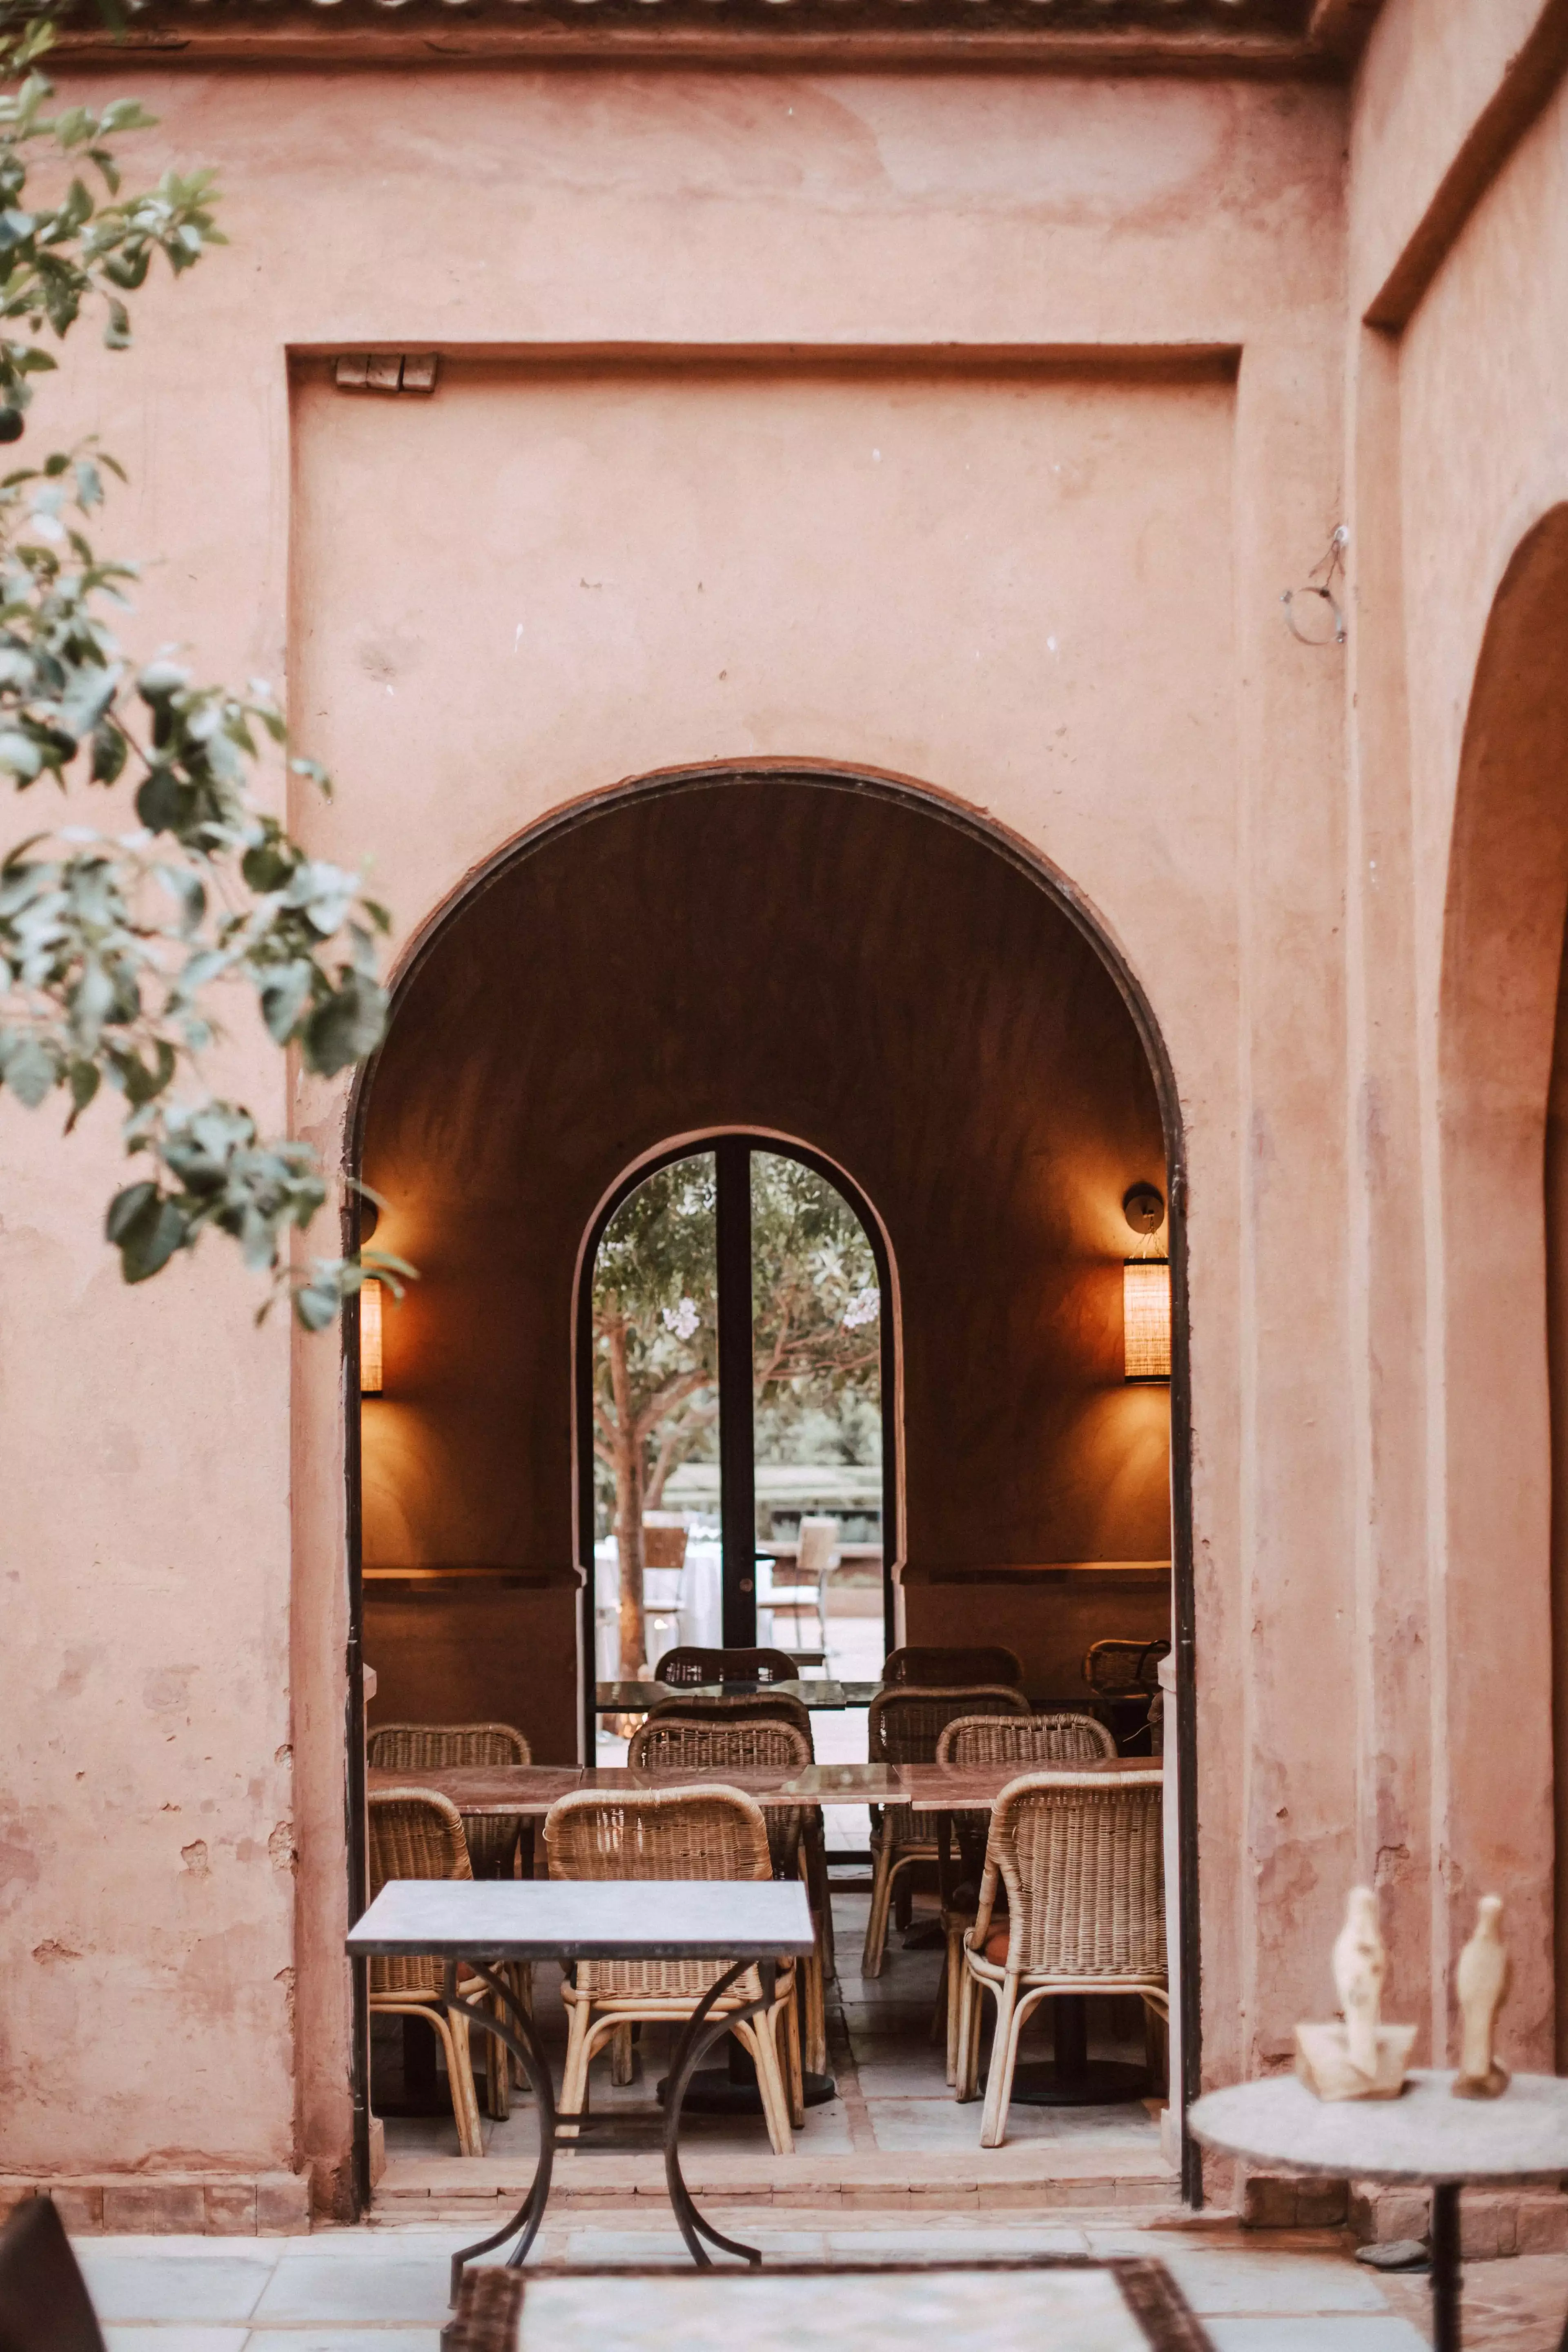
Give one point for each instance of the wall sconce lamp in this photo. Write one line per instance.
(1145, 1293)
(370, 1338)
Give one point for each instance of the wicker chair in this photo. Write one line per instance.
(686, 1667)
(947, 1668)
(415, 1833)
(700, 1738)
(416, 1747)
(710, 1833)
(903, 1727)
(1080, 1856)
(1023, 1740)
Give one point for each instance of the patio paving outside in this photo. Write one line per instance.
(375, 2289)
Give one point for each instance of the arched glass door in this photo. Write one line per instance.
(736, 1468)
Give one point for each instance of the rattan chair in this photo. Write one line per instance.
(773, 1707)
(1080, 1855)
(415, 1833)
(1017, 1739)
(903, 1727)
(702, 1739)
(946, 1668)
(710, 1833)
(416, 1747)
(688, 1668)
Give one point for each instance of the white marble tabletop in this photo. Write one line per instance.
(1426, 2134)
(583, 1919)
(928, 2310)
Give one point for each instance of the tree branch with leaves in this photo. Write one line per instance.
(119, 939)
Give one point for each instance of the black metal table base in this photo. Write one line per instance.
(514, 2031)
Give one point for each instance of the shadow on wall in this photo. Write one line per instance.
(802, 956)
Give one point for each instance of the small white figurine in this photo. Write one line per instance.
(1361, 2059)
(1482, 1980)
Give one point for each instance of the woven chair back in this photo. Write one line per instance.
(904, 1725)
(689, 1666)
(767, 1707)
(1082, 1861)
(992, 1663)
(1065, 1739)
(818, 1546)
(696, 1741)
(427, 1747)
(414, 1834)
(1119, 1665)
(665, 1833)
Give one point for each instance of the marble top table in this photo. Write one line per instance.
(530, 1789)
(637, 1698)
(1119, 2305)
(479, 1923)
(1425, 2135)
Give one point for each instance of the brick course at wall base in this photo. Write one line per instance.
(1492, 2221)
(202, 2204)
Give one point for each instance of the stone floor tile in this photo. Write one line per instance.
(178, 2337)
(1272, 2284)
(325, 2280)
(961, 2244)
(163, 2279)
(1352, 2331)
(333, 2339)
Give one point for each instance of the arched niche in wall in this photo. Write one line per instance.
(1500, 1629)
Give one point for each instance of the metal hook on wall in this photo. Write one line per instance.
(1320, 583)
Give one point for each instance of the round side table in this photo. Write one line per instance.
(1426, 2136)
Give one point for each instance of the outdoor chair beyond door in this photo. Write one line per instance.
(1080, 1858)
(415, 1833)
(673, 1741)
(688, 1668)
(903, 1727)
(945, 1668)
(707, 1833)
(1018, 1739)
(801, 1586)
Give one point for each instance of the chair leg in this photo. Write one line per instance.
(970, 1999)
(877, 1924)
(904, 1902)
(956, 1973)
(453, 2033)
(497, 2068)
(1004, 2058)
(761, 2041)
(792, 2043)
(814, 2001)
(575, 2074)
(623, 2064)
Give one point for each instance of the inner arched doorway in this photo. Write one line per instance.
(793, 952)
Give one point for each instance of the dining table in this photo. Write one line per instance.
(528, 1791)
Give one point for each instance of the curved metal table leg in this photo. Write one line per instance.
(698, 2036)
(523, 2044)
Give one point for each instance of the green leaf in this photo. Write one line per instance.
(30, 1070)
(145, 1228)
(347, 1027)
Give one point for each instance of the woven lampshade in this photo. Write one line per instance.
(1146, 1317)
(370, 1338)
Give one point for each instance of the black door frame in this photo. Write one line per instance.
(923, 800)
(732, 1149)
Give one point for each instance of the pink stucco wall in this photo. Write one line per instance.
(1109, 401)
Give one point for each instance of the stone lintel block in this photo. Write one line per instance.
(1486, 2223)
(1322, 2204)
(283, 2204)
(231, 2209)
(80, 2207)
(1269, 2201)
(14, 2193)
(154, 2205)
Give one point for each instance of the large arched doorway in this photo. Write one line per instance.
(1501, 1604)
(786, 952)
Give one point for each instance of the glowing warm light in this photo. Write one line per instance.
(1146, 1317)
(370, 1338)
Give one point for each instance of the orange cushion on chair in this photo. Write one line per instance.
(994, 1948)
